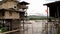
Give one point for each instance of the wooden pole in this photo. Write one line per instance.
(3, 23)
(47, 23)
(23, 26)
(58, 21)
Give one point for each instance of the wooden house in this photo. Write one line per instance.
(11, 13)
(54, 16)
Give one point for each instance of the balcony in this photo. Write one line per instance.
(24, 7)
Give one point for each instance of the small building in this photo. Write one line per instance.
(11, 13)
(54, 16)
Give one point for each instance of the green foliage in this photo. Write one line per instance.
(35, 17)
(3, 29)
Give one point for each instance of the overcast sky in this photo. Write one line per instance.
(36, 7)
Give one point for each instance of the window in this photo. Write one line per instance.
(15, 6)
(10, 13)
(2, 13)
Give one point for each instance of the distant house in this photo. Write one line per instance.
(11, 13)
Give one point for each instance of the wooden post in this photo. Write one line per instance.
(47, 23)
(3, 23)
(10, 24)
(23, 23)
(58, 30)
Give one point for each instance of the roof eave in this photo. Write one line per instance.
(56, 3)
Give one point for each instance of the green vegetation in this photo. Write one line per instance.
(37, 18)
(3, 29)
(33, 17)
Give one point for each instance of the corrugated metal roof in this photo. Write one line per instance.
(23, 2)
(56, 3)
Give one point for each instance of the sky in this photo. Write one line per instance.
(36, 7)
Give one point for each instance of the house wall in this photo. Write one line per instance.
(9, 4)
(14, 15)
(22, 6)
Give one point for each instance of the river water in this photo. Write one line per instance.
(34, 26)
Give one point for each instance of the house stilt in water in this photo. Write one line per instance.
(54, 17)
(11, 14)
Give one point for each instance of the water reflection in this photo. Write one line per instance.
(34, 27)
